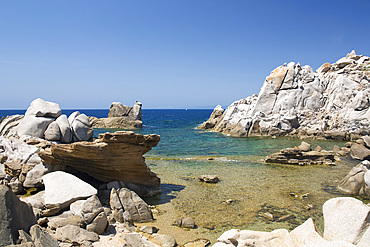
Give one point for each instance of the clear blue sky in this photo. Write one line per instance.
(165, 53)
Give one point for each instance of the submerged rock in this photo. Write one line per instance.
(295, 156)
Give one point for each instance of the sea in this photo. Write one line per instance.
(249, 189)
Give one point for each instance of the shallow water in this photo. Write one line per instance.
(252, 186)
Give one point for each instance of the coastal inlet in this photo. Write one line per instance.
(248, 188)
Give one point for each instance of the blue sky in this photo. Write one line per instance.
(165, 53)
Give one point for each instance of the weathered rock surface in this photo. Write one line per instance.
(354, 182)
(330, 103)
(74, 234)
(345, 219)
(41, 238)
(113, 156)
(14, 215)
(87, 209)
(8, 125)
(137, 239)
(127, 201)
(42, 108)
(120, 117)
(295, 156)
(62, 189)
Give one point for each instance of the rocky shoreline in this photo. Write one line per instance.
(61, 187)
(330, 103)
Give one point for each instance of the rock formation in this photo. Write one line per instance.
(112, 156)
(44, 119)
(331, 103)
(120, 117)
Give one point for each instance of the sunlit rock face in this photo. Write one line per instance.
(332, 102)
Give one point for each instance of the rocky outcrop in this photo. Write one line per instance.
(112, 156)
(302, 155)
(120, 117)
(44, 119)
(345, 223)
(330, 103)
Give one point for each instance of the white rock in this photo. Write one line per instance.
(42, 108)
(62, 189)
(33, 177)
(52, 132)
(81, 128)
(33, 126)
(2, 171)
(367, 178)
(229, 237)
(306, 233)
(65, 129)
(8, 126)
(345, 219)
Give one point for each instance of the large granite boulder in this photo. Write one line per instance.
(62, 189)
(33, 126)
(346, 219)
(334, 99)
(112, 156)
(81, 127)
(42, 108)
(14, 215)
(65, 129)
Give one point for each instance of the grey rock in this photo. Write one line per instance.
(149, 229)
(41, 108)
(24, 237)
(14, 215)
(359, 152)
(118, 110)
(33, 126)
(188, 222)
(41, 238)
(65, 129)
(305, 147)
(166, 240)
(87, 209)
(81, 128)
(138, 240)
(73, 220)
(99, 223)
(2, 171)
(52, 132)
(138, 209)
(33, 177)
(74, 234)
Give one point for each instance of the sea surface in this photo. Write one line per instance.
(248, 187)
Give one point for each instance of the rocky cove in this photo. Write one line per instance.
(251, 195)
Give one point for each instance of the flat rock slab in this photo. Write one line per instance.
(61, 189)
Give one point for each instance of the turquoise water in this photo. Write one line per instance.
(252, 186)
